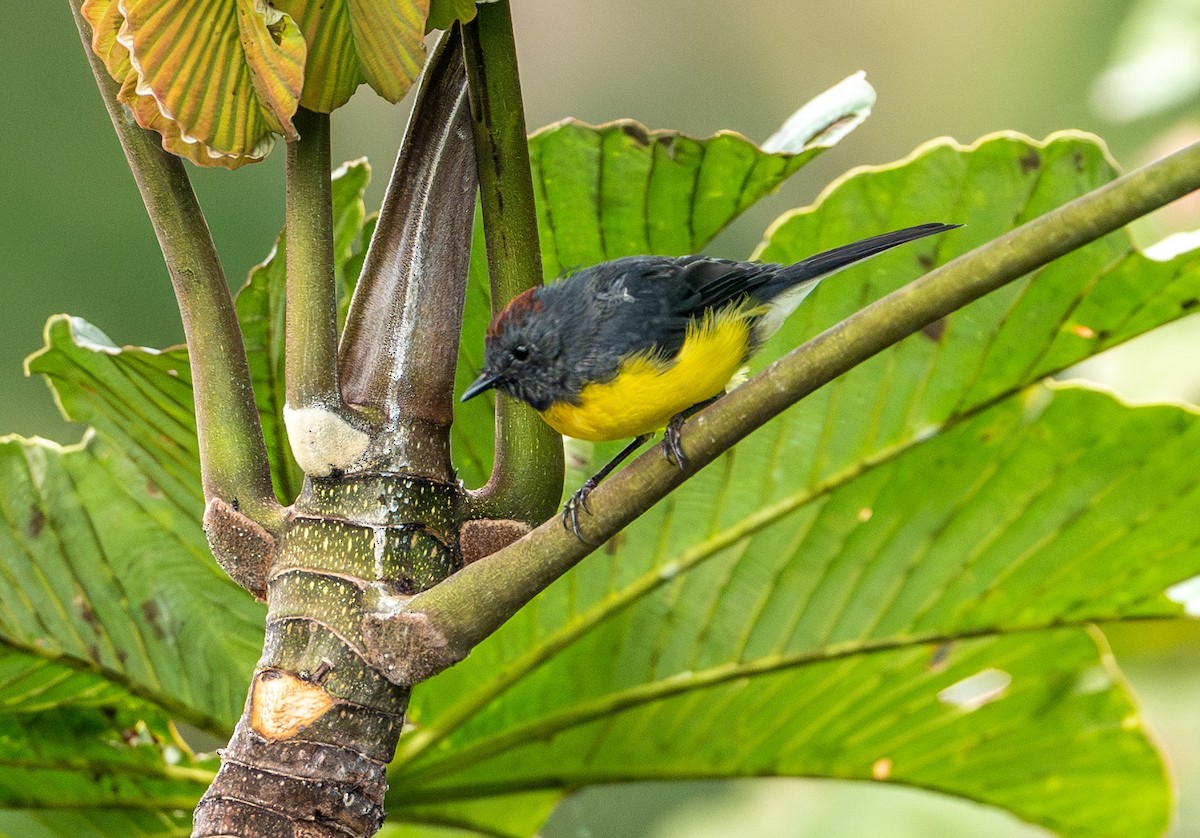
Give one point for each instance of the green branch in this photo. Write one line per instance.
(477, 600)
(323, 433)
(233, 458)
(527, 474)
(311, 293)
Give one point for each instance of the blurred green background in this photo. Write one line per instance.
(75, 240)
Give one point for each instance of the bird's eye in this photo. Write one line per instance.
(520, 352)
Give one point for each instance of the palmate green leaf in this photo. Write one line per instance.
(837, 719)
(499, 816)
(807, 603)
(105, 572)
(349, 182)
(113, 616)
(349, 271)
(138, 400)
(117, 756)
(261, 306)
(632, 617)
(618, 189)
(1078, 306)
(112, 611)
(113, 620)
(818, 635)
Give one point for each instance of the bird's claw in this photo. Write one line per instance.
(673, 443)
(570, 511)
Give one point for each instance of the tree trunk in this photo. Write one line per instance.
(309, 756)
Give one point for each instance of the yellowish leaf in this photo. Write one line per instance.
(332, 72)
(389, 37)
(105, 19)
(217, 79)
(275, 51)
(351, 41)
(443, 13)
(146, 112)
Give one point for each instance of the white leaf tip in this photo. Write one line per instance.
(827, 118)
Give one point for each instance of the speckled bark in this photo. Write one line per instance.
(309, 755)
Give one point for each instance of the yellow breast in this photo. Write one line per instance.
(646, 393)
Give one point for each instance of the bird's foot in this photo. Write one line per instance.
(577, 501)
(672, 443)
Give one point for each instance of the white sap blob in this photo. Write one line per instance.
(323, 441)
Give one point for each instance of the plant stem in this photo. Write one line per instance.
(311, 294)
(527, 474)
(474, 602)
(400, 345)
(233, 458)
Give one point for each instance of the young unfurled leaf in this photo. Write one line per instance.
(352, 41)
(220, 80)
(217, 80)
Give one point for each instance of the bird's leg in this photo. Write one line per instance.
(570, 512)
(672, 444)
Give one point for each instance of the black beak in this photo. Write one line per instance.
(485, 382)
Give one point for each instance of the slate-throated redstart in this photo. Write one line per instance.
(629, 347)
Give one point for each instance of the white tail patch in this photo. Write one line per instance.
(780, 308)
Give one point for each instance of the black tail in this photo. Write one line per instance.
(825, 263)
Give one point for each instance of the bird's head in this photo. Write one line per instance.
(523, 355)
